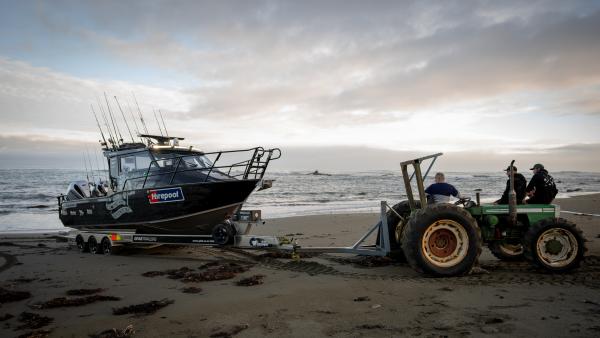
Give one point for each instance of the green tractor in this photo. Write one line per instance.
(446, 239)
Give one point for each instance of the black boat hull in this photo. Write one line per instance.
(191, 209)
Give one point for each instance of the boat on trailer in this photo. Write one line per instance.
(159, 187)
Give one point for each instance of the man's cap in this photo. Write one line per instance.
(537, 166)
(508, 168)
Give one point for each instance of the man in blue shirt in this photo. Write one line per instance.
(440, 191)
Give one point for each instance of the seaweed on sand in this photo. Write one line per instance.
(144, 308)
(83, 292)
(33, 321)
(251, 281)
(35, 334)
(115, 333)
(68, 302)
(230, 332)
(7, 296)
(191, 289)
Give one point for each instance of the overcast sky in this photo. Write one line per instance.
(335, 84)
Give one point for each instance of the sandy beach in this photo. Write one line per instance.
(325, 295)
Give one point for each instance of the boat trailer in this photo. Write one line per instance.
(243, 221)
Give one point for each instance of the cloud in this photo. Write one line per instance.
(333, 62)
(39, 99)
(38, 151)
(455, 76)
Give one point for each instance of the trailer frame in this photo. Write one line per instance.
(103, 242)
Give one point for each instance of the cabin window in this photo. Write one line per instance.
(142, 161)
(198, 161)
(127, 164)
(135, 162)
(165, 160)
(114, 167)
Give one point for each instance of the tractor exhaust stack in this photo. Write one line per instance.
(512, 197)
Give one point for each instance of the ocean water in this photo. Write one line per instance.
(28, 196)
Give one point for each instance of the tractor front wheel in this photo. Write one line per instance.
(442, 240)
(555, 245)
(509, 252)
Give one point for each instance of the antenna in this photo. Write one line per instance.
(133, 118)
(159, 129)
(124, 119)
(115, 126)
(163, 121)
(140, 113)
(98, 123)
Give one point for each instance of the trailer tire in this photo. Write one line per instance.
(105, 246)
(93, 245)
(82, 246)
(555, 245)
(442, 240)
(223, 234)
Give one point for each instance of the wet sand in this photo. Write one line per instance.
(327, 295)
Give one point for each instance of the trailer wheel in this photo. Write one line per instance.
(223, 234)
(93, 245)
(442, 240)
(555, 245)
(105, 246)
(509, 252)
(82, 246)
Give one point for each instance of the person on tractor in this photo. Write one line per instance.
(440, 191)
(541, 188)
(520, 186)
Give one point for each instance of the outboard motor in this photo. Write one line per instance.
(101, 187)
(78, 190)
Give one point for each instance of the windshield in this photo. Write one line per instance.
(167, 160)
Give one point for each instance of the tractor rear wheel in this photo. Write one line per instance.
(442, 240)
(509, 252)
(396, 226)
(556, 245)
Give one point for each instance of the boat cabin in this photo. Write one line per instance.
(156, 166)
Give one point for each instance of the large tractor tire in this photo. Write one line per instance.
(442, 240)
(555, 245)
(396, 226)
(508, 252)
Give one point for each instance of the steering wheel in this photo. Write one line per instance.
(462, 201)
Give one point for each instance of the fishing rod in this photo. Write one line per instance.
(87, 175)
(158, 123)
(163, 121)
(124, 119)
(133, 118)
(116, 127)
(98, 124)
(93, 185)
(140, 113)
(97, 162)
(112, 137)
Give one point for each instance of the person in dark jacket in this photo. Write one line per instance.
(520, 185)
(541, 188)
(440, 191)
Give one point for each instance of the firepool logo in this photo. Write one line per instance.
(165, 195)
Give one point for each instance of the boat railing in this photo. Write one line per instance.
(252, 168)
